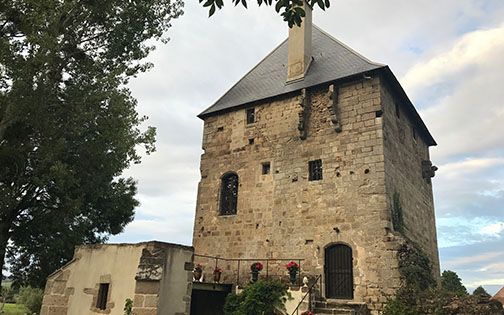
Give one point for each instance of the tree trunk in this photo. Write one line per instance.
(4, 239)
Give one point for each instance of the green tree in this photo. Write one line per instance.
(31, 298)
(68, 124)
(451, 282)
(480, 291)
(292, 10)
(261, 297)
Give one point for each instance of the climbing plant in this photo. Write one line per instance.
(397, 213)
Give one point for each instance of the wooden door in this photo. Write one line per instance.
(339, 272)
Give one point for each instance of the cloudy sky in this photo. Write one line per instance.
(449, 57)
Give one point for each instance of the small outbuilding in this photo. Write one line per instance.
(100, 279)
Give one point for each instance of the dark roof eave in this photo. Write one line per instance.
(387, 73)
(338, 81)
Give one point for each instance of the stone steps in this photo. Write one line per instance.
(340, 308)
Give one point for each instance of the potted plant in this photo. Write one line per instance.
(255, 268)
(293, 268)
(198, 271)
(217, 273)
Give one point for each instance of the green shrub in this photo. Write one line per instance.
(480, 291)
(31, 298)
(396, 307)
(261, 297)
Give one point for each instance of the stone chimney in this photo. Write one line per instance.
(300, 47)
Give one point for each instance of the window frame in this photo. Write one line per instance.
(250, 115)
(228, 198)
(315, 170)
(266, 168)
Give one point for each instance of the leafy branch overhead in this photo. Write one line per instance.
(292, 10)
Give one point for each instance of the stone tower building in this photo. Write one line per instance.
(309, 156)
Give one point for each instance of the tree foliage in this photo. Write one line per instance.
(451, 282)
(292, 11)
(31, 298)
(480, 291)
(68, 124)
(261, 297)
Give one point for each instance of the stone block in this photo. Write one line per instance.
(144, 311)
(151, 301)
(147, 287)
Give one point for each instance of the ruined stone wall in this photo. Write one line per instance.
(283, 214)
(405, 148)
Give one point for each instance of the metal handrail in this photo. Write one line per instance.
(239, 260)
(296, 310)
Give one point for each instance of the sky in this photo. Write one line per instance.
(449, 57)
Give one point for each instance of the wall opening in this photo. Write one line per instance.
(101, 302)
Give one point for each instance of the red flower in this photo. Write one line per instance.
(257, 266)
(292, 266)
(217, 269)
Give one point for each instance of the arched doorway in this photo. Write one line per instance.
(339, 272)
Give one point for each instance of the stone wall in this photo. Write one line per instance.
(405, 148)
(283, 214)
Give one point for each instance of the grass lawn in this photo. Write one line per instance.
(15, 309)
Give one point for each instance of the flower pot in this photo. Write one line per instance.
(197, 275)
(292, 276)
(255, 276)
(216, 276)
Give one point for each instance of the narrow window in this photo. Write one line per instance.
(397, 112)
(315, 169)
(229, 194)
(250, 115)
(266, 168)
(414, 133)
(101, 303)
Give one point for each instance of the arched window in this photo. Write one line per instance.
(229, 194)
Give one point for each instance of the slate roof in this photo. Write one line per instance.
(332, 61)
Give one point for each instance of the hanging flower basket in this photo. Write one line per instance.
(198, 271)
(307, 313)
(217, 274)
(293, 268)
(255, 268)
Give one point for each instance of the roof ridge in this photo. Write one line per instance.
(348, 47)
(246, 74)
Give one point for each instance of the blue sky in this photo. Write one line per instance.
(449, 57)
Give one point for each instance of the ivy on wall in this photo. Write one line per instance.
(397, 214)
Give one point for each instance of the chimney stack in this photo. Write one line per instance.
(300, 47)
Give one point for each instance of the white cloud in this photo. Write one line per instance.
(485, 282)
(476, 48)
(497, 266)
(494, 229)
(474, 258)
(467, 167)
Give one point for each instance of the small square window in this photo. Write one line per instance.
(251, 141)
(101, 301)
(315, 170)
(266, 169)
(250, 115)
